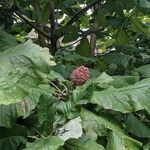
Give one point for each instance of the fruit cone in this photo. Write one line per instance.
(80, 75)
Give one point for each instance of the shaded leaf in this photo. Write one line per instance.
(122, 81)
(146, 147)
(144, 5)
(144, 71)
(72, 129)
(136, 127)
(46, 111)
(22, 70)
(98, 125)
(84, 48)
(82, 143)
(49, 143)
(118, 142)
(122, 37)
(6, 41)
(101, 126)
(127, 99)
(12, 137)
(70, 33)
(11, 142)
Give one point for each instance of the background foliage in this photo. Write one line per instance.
(42, 41)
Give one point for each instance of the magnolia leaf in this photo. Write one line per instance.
(122, 37)
(101, 126)
(136, 127)
(139, 26)
(84, 48)
(118, 59)
(144, 71)
(6, 41)
(19, 69)
(46, 111)
(72, 129)
(127, 99)
(11, 142)
(83, 94)
(83, 143)
(22, 71)
(94, 125)
(144, 5)
(122, 81)
(119, 142)
(49, 143)
(146, 147)
(70, 33)
(11, 138)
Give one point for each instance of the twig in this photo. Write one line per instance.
(64, 47)
(65, 88)
(84, 35)
(54, 38)
(55, 86)
(25, 19)
(33, 137)
(80, 13)
(40, 134)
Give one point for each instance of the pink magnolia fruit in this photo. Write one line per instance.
(80, 75)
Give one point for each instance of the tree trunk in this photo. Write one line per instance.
(94, 25)
(53, 46)
(37, 9)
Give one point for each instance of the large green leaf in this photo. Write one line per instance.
(49, 143)
(11, 142)
(19, 71)
(98, 125)
(136, 127)
(83, 94)
(122, 81)
(6, 4)
(70, 33)
(9, 113)
(119, 59)
(101, 125)
(122, 37)
(127, 99)
(144, 71)
(45, 109)
(146, 147)
(83, 143)
(139, 26)
(118, 142)
(12, 137)
(46, 112)
(118, 6)
(84, 48)
(23, 70)
(70, 130)
(6, 41)
(67, 109)
(144, 5)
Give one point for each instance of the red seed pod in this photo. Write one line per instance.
(80, 75)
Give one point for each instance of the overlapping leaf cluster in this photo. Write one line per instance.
(113, 110)
(39, 106)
